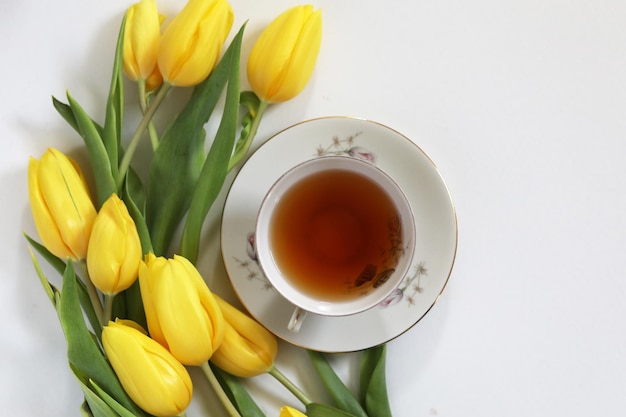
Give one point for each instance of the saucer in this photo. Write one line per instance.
(402, 160)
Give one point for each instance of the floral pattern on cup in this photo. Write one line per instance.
(376, 275)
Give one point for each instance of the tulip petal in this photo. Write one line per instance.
(61, 205)
(185, 324)
(141, 39)
(248, 349)
(238, 356)
(131, 67)
(303, 59)
(68, 200)
(114, 248)
(282, 59)
(148, 372)
(44, 222)
(181, 312)
(192, 42)
(275, 47)
(287, 411)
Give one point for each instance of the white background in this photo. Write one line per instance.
(520, 103)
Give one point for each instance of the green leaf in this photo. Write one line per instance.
(112, 132)
(178, 160)
(66, 112)
(110, 401)
(250, 125)
(323, 410)
(341, 395)
(95, 406)
(250, 101)
(85, 411)
(173, 171)
(83, 352)
(54, 261)
(215, 167)
(85, 302)
(373, 385)
(51, 291)
(237, 394)
(105, 182)
(135, 200)
(60, 266)
(134, 189)
(129, 305)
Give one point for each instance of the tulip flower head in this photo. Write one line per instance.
(181, 311)
(142, 35)
(248, 348)
(151, 376)
(192, 43)
(114, 252)
(61, 205)
(282, 59)
(287, 411)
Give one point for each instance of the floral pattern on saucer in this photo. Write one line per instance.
(346, 147)
(408, 288)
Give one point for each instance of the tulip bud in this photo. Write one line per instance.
(248, 349)
(142, 34)
(181, 311)
(114, 248)
(154, 80)
(282, 59)
(192, 42)
(61, 204)
(151, 376)
(287, 411)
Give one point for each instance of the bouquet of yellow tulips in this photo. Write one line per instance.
(134, 308)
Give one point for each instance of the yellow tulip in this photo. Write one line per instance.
(192, 43)
(61, 205)
(151, 376)
(142, 35)
(282, 59)
(181, 311)
(114, 252)
(248, 348)
(287, 411)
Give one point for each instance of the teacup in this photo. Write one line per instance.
(335, 235)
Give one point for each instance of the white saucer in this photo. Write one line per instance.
(419, 179)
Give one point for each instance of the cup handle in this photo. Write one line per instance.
(295, 322)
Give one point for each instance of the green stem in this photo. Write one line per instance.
(143, 101)
(280, 377)
(143, 104)
(243, 146)
(108, 308)
(92, 292)
(219, 391)
(154, 137)
(143, 125)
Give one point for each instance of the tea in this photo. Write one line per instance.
(335, 234)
